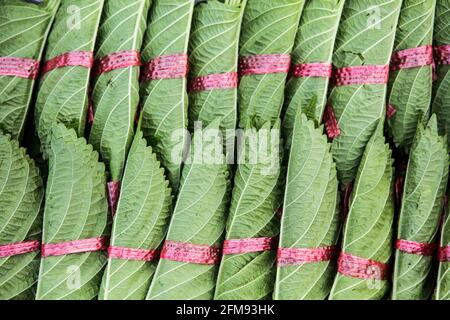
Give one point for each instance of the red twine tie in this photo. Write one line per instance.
(264, 64)
(71, 247)
(444, 254)
(331, 123)
(214, 81)
(299, 256)
(69, 59)
(17, 248)
(19, 67)
(442, 54)
(113, 195)
(249, 245)
(322, 70)
(117, 60)
(360, 75)
(422, 249)
(132, 254)
(166, 67)
(356, 267)
(412, 58)
(190, 253)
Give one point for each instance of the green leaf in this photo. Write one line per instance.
(115, 94)
(365, 37)
(63, 92)
(442, 291)
(441, 98)
(23, 29)
(165, 101)
(310, 214)
(255, 200)
(75, 208)
(140, 222)
(269, 27)
(314, 43)
(198, 218)
(410, 89)
(368, 229)
(21, 195)
(213, 49)
(425, 184)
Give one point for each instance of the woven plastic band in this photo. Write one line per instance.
(218, 81)
(17, 248)
(69, 59)
(299, 256)
(331, 124)
(412, 58)
(71, 247)
(320, 70)
(132, 254)
(166, 67)
(418, 248)
(442, 54)
(361, 75)
(19, 67)
(249, 245)
(117, 60)
(264, 64)
(190, 253)
(356, 267)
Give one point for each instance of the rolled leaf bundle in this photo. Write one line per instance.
(139, 226)
(443, 279)
(311, 60)
(21, 195)
(115, 94)
(310, 223)
(441, 98)
(420, 214)
(75, 220)
(213, 56)
(357, 102)
(63, 88)
(23, 28)
(191, 253)
(411, 77)
(267, 38)
(363, 269)
(247, 270)
(163, 88)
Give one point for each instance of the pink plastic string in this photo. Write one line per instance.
(418, 248)
(132, 254)
(264, 64)
(249, 245)
(190, 253)
(166, 67)
(331, 123)
(299, 256)
(322, 70)
(113, 195)
(71, 247)
(19, 67)
(442, 54)
(214, 81)
(117, 60)
(361, 75)
(412, 58)
(444, 254)
(69, 59)
(17, 248)
(356, 267)
(390, 111)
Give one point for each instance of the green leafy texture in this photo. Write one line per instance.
(365, 37)
(213, 49)
(410, 90)
(115, 94)
(441, 98)
(21, 195)
(140, 223)
(256, 197)
(442, 291)
(314, 43)
(269, 27)
(199, 217)
(368, 229)
(425, 184)
(23, 29)
(165, 101)
(63, 92)
(75, 208)
(310, 214)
